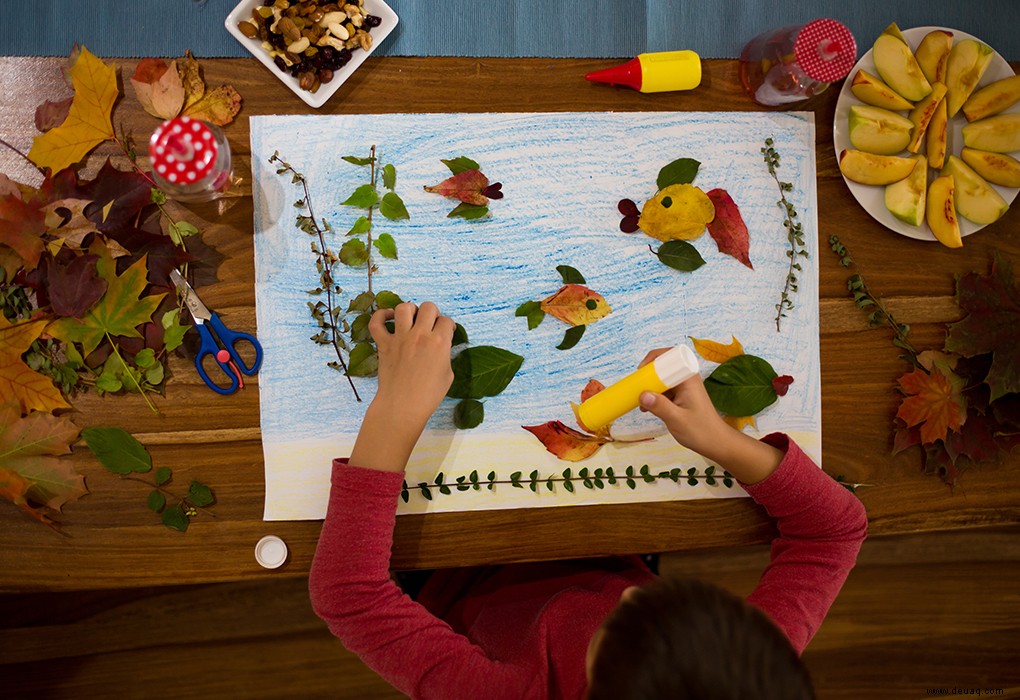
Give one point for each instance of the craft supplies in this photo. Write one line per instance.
(795, 63)
(663, 373)
(190, 159)
(654, 72)
(271, 552)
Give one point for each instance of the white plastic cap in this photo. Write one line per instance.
(676, 365)
(271, 552)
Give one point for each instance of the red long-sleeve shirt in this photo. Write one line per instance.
(522, 631)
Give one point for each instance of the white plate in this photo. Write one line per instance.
(373, 7)
(872, 197)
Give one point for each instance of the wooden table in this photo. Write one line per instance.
(113, 541)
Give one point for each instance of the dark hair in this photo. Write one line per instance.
(680, 639)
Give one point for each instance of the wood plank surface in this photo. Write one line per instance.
(113, 541)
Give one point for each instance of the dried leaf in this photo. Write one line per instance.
(466, 186)
(66, 222)
(75, 287)
(130, 192)
(565, 442)
(576, 305)
(678, 212)
(88, 122)
(9, 187)
(728, 228)
(18, 382)
(739, 423)
(717, 352)
(782, 384)
(217, 106)
(191, 77)
(50, 115)
(21, 228)
(593, 387)
(934, 402)
(158, 87)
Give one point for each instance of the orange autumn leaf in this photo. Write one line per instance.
(717, 352)
(15, 488)
(217, 106)
(934, 402)
(576, 305)
(565, 442)
(88, 123)
(158, 87)
(21, 229)
(593, 387)
(467, 186)
(739, 423)
(18, 382)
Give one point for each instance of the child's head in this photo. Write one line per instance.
(681, 639)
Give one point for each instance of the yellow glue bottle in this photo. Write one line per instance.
(654, 72)
(664, 372)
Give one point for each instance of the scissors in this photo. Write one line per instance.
(218, 341)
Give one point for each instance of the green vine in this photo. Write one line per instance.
(794, 233)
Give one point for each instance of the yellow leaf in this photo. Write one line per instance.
(576, 305)
(88, 123)
(218, 106)
(741, 422)
(717, 352)
(18, 382)
(677, 212)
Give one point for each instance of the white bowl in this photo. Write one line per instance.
(373, 7)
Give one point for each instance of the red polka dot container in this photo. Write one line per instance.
(190, 160)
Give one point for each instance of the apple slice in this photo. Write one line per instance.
(997, 168)
(879, 131)
(893, 30)
(967, 63)
(938, 136)
(922, 114)
(870, 169)
(868, 88)
(933, 53)
(906, 198)
(975, 198)
(941, 212)
(999, 134)
(898, 68)
(992, 99)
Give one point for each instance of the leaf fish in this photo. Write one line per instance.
(576, 304)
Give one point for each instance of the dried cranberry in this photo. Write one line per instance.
(345, 55)
(317, 61)
(372, 21)
(328, 53)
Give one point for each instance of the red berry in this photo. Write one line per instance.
(628, 208)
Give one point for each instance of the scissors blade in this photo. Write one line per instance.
(199, 311)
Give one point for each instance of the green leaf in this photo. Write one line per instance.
(631, 484)
(361, 225)
(364, 197)
(386, 246)
(354, 253)
(175, 518)
(515, 479)
(568, 485)
(460, 335)
(199, 494)
(109, 383)
(389, 176)
(680, 255)
(362, 302)
(363, 361)
(387, 299)
(468, 211)
(392, 207)
(156, 501)
(459, 165)
(680, 172)
(154, 375)
(359, 329)
(117, 450)
(173, 331)
(156, 196)
(145, 358)
(163, 475)
(570, 275)
(571, 337)
(742, 386)
(533, 310)
(468, 414)
(358, 161)
(482, 371)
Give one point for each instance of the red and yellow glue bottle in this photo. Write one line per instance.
(654, 72)
(664, 372)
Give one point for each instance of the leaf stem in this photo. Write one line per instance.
(129, 373)
(168, 492)
(132, 161)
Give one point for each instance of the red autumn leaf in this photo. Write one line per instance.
(905, 437)
(728, 228)
(49, 114)
(782, 384)
(975, 439)
(75, 287)
(934, 402)
(466, 186)
(565, 442)
(593, 387)
(15, 488)
(129, 191)
(9, 187)
(21, 229)
(159, 87)
(576, 305)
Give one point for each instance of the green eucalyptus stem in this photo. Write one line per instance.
(794, 233)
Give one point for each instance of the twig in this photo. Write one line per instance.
(794, 232)
(168, 492)
(368, 246)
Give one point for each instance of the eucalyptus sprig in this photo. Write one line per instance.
(591, 479)
(878, 314)
(794, 232)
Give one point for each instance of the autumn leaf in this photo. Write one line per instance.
(49, 114)
(565, 442)
(717, 352)
(9, 187)
(466, 186)
(18, 382)
(576, 305)
(782, 384)
(66, 223)
(74, 287)
(933, 401)
(217, 106)
(158, 87)
(129, 191)
(728, 229)
(593, 387)
(119, 312)
(21, 229)
(678, 212)
(31, 470)
(992, 325)
(88, 122)
(739, 423)
(191, 77)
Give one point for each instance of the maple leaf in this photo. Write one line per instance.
(218, 106)
(30, 466)
(467, 186)
(565, 442)
(129, 191)
(9, 187)
(158, 87)
(717, 352)
(576, 305)
(88, 122)
(49, 114)
(992, 324)
(73, 288)
(18, 382)
(21, 229)
(728, 229)
(119, 312)
(933, 401)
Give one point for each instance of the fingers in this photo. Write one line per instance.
(377, 325)
(652, 354)
(427, 315)
(403, 316)
(660, 407)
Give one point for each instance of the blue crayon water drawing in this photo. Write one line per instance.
(563, 175)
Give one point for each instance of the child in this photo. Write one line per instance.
(599, 629)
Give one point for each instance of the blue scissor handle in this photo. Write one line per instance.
(208, 333)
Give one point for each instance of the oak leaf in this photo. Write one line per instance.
(717, 352)
(576, 305)
(728, 229)
(565, 442)
(158, 87)
(21, 229)
(466, 186)
(934, 401)
(18, 382)
(88, 122)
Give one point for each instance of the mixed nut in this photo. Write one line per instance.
(310, 39)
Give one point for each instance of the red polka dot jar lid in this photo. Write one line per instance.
(183, 150)
(826, 50)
